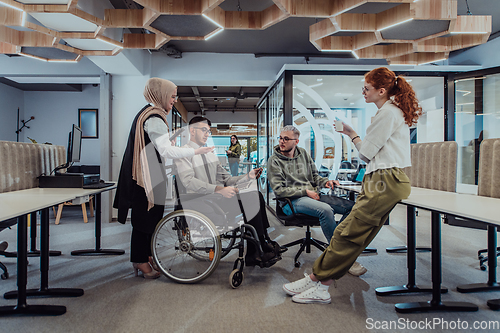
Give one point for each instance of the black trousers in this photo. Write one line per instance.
(144, 222)
(254, 207)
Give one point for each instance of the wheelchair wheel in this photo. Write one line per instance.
(236, 278)
(186, 246)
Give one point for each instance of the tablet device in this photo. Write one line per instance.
(176, 134)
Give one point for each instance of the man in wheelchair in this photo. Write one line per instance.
(222, 197)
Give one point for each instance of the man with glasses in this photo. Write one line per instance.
(203, 174)
(292, 174)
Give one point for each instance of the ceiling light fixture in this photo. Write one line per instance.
(109, 42)
(63, 61)
(32, 56)
(396, 24)
(217, 24)
(213, 34)
(432, 61)
(471, 78)
(469, 32)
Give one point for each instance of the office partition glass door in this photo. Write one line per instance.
(477, 117)
(319, 100)
(270, 121)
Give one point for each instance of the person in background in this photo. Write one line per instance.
(386, 149)
(141, 183)
(233, 155)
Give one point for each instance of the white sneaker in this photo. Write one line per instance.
(317, 294)
(357, 269)
(295, 288)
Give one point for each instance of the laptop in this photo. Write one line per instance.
(357, 177)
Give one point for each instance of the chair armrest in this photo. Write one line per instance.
(288, 202)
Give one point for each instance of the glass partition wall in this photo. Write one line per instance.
(270, 120)
(315, 99)
(477, 117)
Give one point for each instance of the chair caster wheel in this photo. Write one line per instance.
(297, 264)
(483, 267)
(5, 276)
(236, 278)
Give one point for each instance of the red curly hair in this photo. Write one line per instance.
(397, 86)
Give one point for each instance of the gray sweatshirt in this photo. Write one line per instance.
(291, 177)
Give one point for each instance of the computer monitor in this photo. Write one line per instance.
(74, 144)
(74, 148)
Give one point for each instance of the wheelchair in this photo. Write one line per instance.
(187, 246)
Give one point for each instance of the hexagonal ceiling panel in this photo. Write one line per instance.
(402, 31)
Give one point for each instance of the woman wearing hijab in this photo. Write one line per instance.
(233, 155)
(142, 179)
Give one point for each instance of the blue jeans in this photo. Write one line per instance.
(325, 209)
(233, 167)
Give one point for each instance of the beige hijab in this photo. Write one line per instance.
(157, 92)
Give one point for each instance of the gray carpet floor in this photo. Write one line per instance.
(116, 301)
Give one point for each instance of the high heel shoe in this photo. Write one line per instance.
(150, 275)
(153, 264)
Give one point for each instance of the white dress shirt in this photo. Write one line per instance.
(387, 141)
(193, 174)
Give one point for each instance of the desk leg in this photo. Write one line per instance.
(44, 290)
(97, 250)
(492, 267)
(33, 252)
(22, 280)
(435, 304)
(404, 249)
(411, 240)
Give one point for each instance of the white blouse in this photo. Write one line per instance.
(387, 140)
(158, 134)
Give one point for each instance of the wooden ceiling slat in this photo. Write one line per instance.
(272, 15)
(10, 16)
(124, 18)
(6, 48)
(472, 30)
(242, 20)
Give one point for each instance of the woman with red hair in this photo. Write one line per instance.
(386, 149)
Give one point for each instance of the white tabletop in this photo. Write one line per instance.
(16, 203)
(470, 206)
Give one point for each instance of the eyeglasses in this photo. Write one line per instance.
(364, 90)
(175, 97)
(285, 139)
(204, 130)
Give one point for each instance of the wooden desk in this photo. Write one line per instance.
(480, 209)
(19, 204)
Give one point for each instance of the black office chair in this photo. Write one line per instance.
(483, 257)
(4, 225)
(299, 220)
